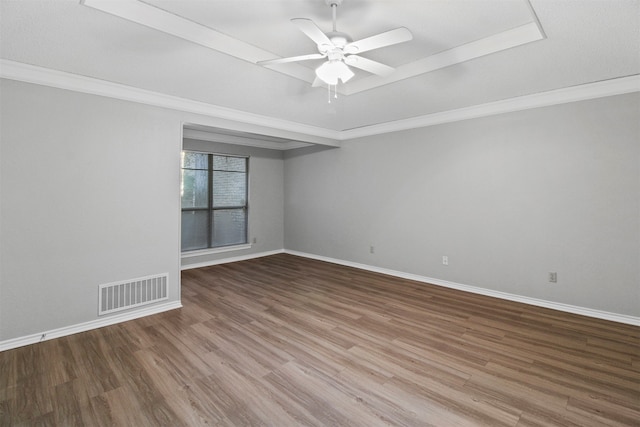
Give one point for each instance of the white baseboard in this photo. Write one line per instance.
(159, 308)
(230, 259)
(87, 326)
(589, 312)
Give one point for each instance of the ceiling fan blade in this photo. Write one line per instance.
(291, 59)
(388, 38)
(317, 82)
(312, 31)
(365, 64)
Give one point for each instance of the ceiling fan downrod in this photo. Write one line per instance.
(334, 11)
(332, 36)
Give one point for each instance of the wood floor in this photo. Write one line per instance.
(287, 341)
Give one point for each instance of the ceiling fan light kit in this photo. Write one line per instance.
(332, 71)
(340, 51)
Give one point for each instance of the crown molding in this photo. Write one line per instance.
(19, 71)
(302, 133)
(566, 95)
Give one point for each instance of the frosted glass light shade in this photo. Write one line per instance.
(331, 71)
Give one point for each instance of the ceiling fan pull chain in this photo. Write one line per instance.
(335, 91)
(328, 94)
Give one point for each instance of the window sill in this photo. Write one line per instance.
(211, 251)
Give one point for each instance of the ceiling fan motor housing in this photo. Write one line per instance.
(339, 40)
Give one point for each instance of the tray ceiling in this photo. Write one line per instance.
(261, 33)
(464, 53)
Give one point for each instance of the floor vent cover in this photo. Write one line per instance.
(131, 293)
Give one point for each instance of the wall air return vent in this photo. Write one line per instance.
(132, 293)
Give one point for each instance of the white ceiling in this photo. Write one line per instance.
(575, 42)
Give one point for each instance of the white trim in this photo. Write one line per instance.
(201, 252)
(202, 135)
(159, 308)
(31, 74)
(566, 95)
(589, 312)
(514, 37)
(170, 23)
(230, 259)
(87, 326)
(13, 70)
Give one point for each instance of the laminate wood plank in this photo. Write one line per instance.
(444, 385)
(126, 409)
(8, 375)
(322, 354)
(253, 340)
(612, 349)
(387, 401)
(181, 402)
(250, 402)
(66, 411)
(397, 363)
(93, 359)
(584, 383)
(604, 413)
(455, 406)
(310, 410)
(549, 419)
(320, 395)
(287, 341)
(228, 350)
(97, 412)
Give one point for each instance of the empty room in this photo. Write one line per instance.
(320, 213)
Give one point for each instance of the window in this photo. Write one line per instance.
(214, 200)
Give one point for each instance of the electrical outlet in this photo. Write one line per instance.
(255, 240)
(372, 250)
(553, 277)
(445, 260)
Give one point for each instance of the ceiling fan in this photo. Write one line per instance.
(341, 51)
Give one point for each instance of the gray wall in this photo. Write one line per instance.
(266, 198)
(89, 192)
(89, 196)
(507, 198)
